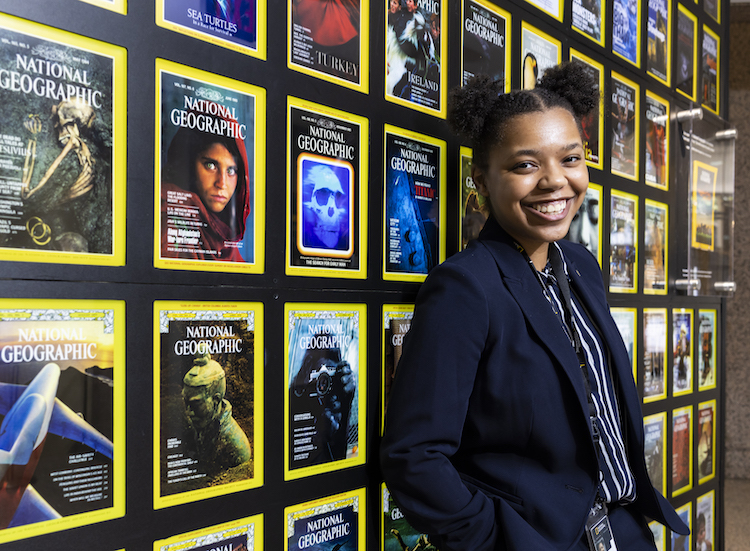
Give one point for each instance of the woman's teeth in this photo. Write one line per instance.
(555, 207)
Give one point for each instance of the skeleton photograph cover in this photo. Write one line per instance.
(207, 402)
(324, 191)
(207, 171)
(56, 145)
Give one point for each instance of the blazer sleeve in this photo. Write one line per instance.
(427, 408)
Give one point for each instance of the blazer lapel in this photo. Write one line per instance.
(525, 288)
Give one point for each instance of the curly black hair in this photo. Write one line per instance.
(480, 111)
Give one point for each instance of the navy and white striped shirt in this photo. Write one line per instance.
(617, 483)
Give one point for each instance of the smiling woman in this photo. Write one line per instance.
(513, 420)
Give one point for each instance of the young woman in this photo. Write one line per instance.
(513, 414)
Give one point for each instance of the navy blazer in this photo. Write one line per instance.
(488, 443)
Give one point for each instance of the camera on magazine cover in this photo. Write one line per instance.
(321, 381)
(321, 374)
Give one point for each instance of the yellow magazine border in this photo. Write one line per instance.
(602, 26)
(526, 26)
(575, 54)
(664, 207)
(715, 314)
(232, 528)
(691, 314)
(507, 16)
(668, 80)
(259, 176)
(687, 508)
(694, 205)
(711, 496)
(694, 18)
(444, 63)
(390, 311)
(663, 312)
(443, 208)
(464, 153)
(614, 75)
(639, 32)
(311, 308)
(634, 198)
(97, 307)
(660, 418)
(715, 36)
(634, 312)
(364, 53)
(657, 527)
(667, 139)
(362, 172)
(704, 405)
(600, 232)
(675, 413)
(557, 16)
(118, 6)
(176, 307)
(118, 55)
(261, 37)
(309, 508)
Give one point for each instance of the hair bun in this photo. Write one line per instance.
(469, 106)
(574, 82)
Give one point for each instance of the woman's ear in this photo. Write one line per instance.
(477, 175)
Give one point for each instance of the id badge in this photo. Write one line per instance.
(598, 530)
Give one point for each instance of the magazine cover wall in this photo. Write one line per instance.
(62, 395)
(62, 170)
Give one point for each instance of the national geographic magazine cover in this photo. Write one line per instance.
(208, 400)
(396, 324)
(657, 141)
(245, 534)
(396, 533)
(473, 208)
(62, 146)
(682, 450)
(414, 204)
(682, 351)
(239, 25)
(654, 354)
(654, 444)
(416, 53)
(707, 349)
(592, 125)
(326, 191)
(485, 41)
(330, 40)
(625, 120)
(209, 195)
(336, 523)
(62, 398)
(325, 380)
(656, 248)
(623, 243)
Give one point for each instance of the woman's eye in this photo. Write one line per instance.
(232, 171)
(572, 159)
(210, 165)
(524, 166)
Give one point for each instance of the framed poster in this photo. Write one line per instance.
(62, 397)
(330, 40)
(682, 352)
(485, 41)
(657, 141)
(710, 74)
(119, 6)
(325, 378)
(395, 532)
(703, 229)
(659, 58)
(623, 242)
(680, 542)
(63, 146)
(238, 25)
(338, 521)
(245, 534)
(682, 450)
(396, 324)
(655, 431)
(553, 8)
(706, 441)
(585, 227)
(626, 320)
(539, 52)
(686, 82)
(626, 30)
(660, 537)
(416, 55)
(474, 207)
(414, 205)
(713, 8)
(208, 400)
(210, 172)
(326, 200)
(705, 513)
(625, 123)
(592, 125)
(588, 19)
(656, 248)
(707, 347)
(654, 353)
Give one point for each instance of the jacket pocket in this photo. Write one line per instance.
(490, 491)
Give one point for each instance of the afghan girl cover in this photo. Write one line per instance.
(210, 172)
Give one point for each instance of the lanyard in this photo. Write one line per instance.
(558, 270)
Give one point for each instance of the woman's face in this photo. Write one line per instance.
(395, 5)
(536, 177)
(215, 176)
